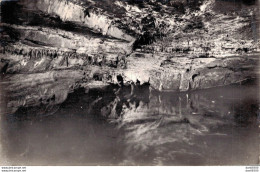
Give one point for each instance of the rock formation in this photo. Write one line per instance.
(49, 48)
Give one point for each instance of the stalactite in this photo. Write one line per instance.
(51, 55)
(55, 55)
(42, 51)
(30, 53)
(33, 54)
(39, 54)
(103, 60)
(36, 53)
(67, 61)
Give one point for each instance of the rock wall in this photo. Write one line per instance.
(70, 11)
(57, 46)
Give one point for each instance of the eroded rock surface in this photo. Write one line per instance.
(51, 47)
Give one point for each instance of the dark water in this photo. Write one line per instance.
(217, 126)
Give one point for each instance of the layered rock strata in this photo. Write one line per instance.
(51, 47)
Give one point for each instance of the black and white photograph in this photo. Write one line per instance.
(129, 83)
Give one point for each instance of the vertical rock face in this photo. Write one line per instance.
(61, 45)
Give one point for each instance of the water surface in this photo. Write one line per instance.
(218, 126)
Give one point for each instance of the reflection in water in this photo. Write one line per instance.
(131, 126)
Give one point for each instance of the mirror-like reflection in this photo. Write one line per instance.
(132, 126)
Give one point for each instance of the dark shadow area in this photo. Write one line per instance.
(246, 2)
(10, 11)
